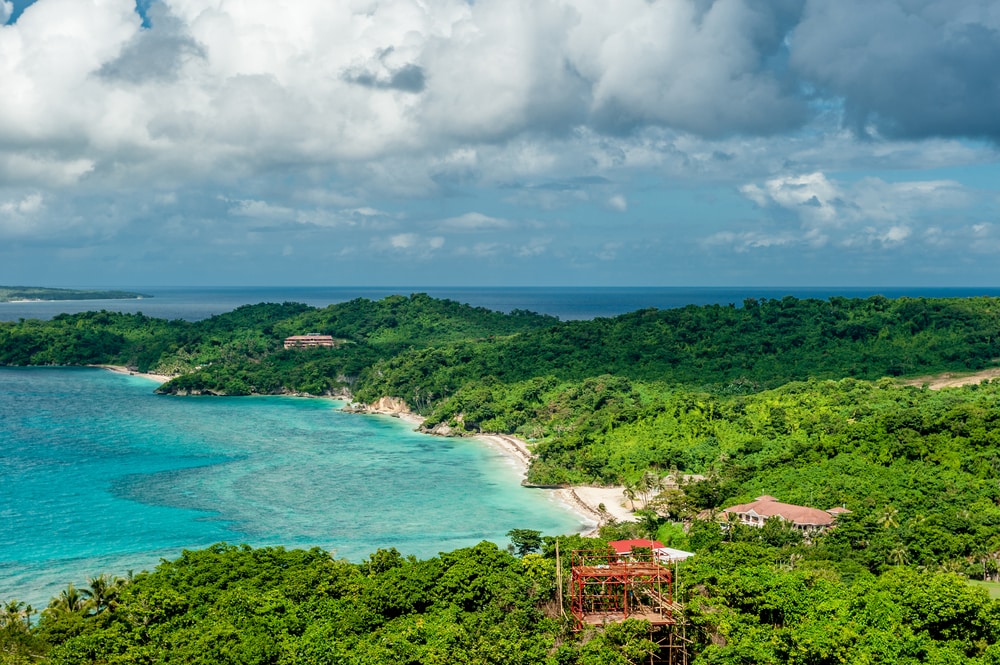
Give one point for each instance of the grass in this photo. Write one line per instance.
(992, 587)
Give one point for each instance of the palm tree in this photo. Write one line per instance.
(15, 614)
(899, 555)
(630, 494)
(889, 518)
(69, 600)
(99, 593)
(104, 591)
(951, 566)
(649, 522)
(650, 483)
(731, 525)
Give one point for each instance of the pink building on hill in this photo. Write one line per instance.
(808, 520)
(312, 340)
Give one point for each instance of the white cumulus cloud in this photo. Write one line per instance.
(473, 221)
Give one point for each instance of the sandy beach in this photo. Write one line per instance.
(119, 369)
(584, 500)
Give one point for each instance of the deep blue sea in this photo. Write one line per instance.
(99, 474)
(195, 303)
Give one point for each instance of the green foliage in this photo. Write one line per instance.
(234, 605)
(424, 350)
(525, 541)
(751, 604)
(726, 349)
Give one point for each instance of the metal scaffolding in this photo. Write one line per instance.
(607, 588)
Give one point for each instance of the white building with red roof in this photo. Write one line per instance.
(809, 520)
(623, 548)
(310, 341)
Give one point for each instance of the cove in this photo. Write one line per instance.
(99, 474)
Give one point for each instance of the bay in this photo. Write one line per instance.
(99, 474)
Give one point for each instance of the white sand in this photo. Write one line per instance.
(583, 500)
(119, 369)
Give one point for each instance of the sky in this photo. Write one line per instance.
(500, 142)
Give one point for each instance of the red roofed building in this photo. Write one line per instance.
(312, 340)
(809, 520)
(624, 547)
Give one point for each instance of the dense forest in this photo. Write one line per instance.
(758, 597)
(799, 399)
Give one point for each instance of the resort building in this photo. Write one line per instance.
(312, 340)
(807, 520)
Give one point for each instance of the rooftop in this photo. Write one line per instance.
(768, 506)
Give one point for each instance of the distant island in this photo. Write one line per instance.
(20, 293)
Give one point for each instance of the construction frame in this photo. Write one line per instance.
(607, 587)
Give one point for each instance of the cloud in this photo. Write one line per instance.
(21, 217)
(382, 73)
(905, 69)
(367, 90)
(32, 168)
(534, 247)
(356, 115)
(749, 240)
(411, 244)
(862, 213)
(156, 53)
(618, 202)
(277, 214)
(811, 196)
(671, 63)
(6, 11)
(818, 201)
(473, 221)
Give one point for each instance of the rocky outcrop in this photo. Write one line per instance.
(386, 406)
(441, 429)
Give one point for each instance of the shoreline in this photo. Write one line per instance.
(585, 501)
(121, 369)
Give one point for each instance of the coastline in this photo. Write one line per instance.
(120, 369)
(585, 501)
(594, 505)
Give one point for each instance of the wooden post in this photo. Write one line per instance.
(559, 578)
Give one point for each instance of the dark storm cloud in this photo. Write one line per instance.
(908, 68)
(379, 74)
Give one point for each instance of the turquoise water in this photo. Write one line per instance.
(98, 474)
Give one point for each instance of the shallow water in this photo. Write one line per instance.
(98, 474)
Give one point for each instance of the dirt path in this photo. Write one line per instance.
(953, 380)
